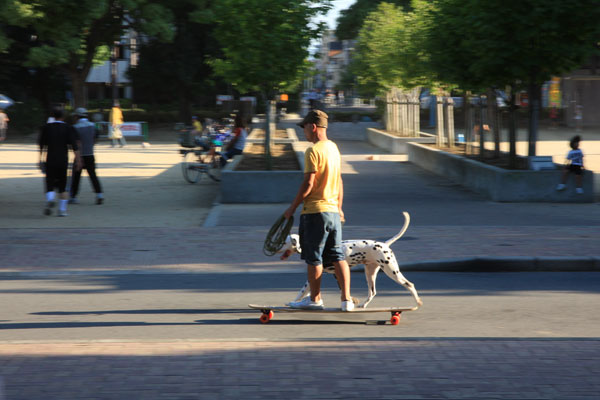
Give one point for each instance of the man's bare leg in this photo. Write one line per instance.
(314, 273)
(342, 273)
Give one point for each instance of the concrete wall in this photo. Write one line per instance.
(261, 186)
(395, 144)
(499, 184)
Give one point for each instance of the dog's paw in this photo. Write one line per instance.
(355, 301)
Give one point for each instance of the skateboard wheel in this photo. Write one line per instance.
(265, 318)
(395, 320)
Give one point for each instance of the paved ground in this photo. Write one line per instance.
(106, 304)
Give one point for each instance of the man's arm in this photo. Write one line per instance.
(341, 199)
(305, 188)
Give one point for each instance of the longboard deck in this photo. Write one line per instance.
(332, 310)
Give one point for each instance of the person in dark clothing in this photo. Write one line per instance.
(87, 137)
(55, 140)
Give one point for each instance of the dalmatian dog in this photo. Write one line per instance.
(374, 255)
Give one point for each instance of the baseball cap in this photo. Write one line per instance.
(82, 112)
(317, 117)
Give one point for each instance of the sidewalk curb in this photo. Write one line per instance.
(467, 264)
(507, 264)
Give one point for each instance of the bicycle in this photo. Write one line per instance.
(199, 156)
(193, 165)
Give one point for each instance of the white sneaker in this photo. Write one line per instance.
(579, 190)
(307, 304)
(62, 213)
(560, 186)
(348, 305)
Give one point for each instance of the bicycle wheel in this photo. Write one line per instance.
(190, 167)
(214, 168)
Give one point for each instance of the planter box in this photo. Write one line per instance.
(262, 186)
(291, 137)
(499, 184)
(395, 144)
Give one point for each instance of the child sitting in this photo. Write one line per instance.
(575, 156)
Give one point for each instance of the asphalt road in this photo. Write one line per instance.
(213, 307)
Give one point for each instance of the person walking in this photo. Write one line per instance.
(54, 141)
(116, 120)
(3, 125)
(87, 138)
(321, 193)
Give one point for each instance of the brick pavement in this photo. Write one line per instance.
(419, 369)
(423, 369)
(203, 249)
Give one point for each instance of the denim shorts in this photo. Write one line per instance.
(321, 238)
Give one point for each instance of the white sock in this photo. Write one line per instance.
(63, 205)
(50, 196)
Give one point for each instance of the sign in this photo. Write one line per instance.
(554, 95)
(132, 129)
(523, 99)
(251, 99)
(223, 97)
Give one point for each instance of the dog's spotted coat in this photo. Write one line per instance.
(374, 255)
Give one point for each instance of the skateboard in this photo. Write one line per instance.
(269, 311)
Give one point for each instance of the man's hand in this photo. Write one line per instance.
(78, 163)
(342, 218)
(289, 212)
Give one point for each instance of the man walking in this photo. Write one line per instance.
(320, 225)
(116, 120)
(87, 138)
(55, 140)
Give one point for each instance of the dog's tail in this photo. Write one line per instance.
(402, 231)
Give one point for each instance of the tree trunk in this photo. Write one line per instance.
(270, 128)
(481, 134)
(534, 116)
(78, 88)
(468, 123)
(440, 120)
(493, 118)
(185, 105)
(512, 130)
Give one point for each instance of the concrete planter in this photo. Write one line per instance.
(291, 137)
(395, 144)
(261, 186)
(499, 184)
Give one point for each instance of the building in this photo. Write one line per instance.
(99, 80)
(333, 58)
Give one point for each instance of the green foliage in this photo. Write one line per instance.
(478, 44)
(389, 52)
(351, 20)
(265, 42)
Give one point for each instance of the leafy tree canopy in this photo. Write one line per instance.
(478, 44)
(389, 52)
(351, 20)
(265, 42)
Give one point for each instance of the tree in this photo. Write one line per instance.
(265, 44)
(389, 57)
(520, 43)
(351, 20)
(180, 66)
(72, 35)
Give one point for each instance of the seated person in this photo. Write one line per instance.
(236, 145)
